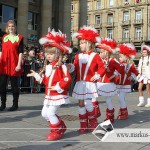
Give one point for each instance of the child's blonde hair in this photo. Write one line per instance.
(53, 50)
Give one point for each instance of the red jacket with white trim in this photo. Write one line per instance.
(111, 65)
(125, 77)
(93, 66)
(58, 77)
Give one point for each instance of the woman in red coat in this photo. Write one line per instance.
(11, 58)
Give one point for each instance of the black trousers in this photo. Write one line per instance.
(14, 87)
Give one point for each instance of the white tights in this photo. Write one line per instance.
(109, 103)
(88, 106)
(49, 113)
(121, 99)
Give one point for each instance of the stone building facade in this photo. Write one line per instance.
(123, 20)
(33, 17)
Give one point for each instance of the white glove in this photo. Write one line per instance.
(96, 76)
(58, 88)
(70, 67)
(138, 77)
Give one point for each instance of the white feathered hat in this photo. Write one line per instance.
(87, 33)
(127, 49)
(56, 39)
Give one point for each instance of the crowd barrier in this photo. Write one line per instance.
(29, 82)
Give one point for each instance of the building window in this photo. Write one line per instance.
(71, 23)
(126, 2)
(138, 33)
(8, 13)
(72, 7)
(138, 15)
(111, 3)
(110, 33)
(110, 19)
(88, 20)
(0, 13)
(98, 4)
(32, 21)
(97, 19)
(88, 6)
(32, 1)
(125, 33)
(126, 16)
(149, 33)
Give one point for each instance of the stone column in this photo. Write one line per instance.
(46, 15)
(67, 18)
(82, 13)
(22, 22)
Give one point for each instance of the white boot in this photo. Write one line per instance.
(141, 101)
(148, 103)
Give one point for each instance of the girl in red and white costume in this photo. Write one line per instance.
(56, 79)
(106, 85)
(89, 68)
(123, 81)
(144, 75)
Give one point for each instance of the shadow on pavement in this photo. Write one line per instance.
(139, 117)
(56, 145)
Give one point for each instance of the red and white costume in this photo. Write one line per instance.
(84, 88)
(123, 80)
(144, 67)
(58, 77)
(144, 74)
(106, 85)
(87, 65)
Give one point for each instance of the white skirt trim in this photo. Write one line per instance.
(56, 100)
(124, 88)
(144, 79)
(85, 90)
(106, 89)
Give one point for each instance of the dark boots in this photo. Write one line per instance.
(15, 102)
(3, 102)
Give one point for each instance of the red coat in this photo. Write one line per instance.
(87, 71)
(0, 67)
(10, 56)
(58, 76)
(111, 66)
(124, 78)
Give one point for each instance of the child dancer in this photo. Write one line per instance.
(57, 80)
(144, 75)
(106, 85)
(89, 68)
(123, 81)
